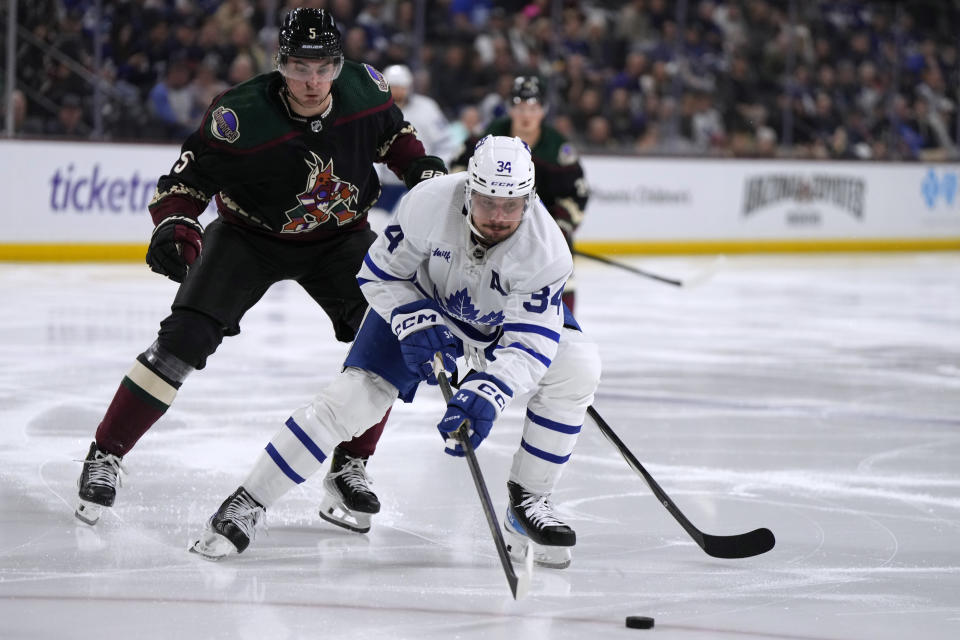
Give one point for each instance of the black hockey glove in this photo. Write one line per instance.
(422, 169)
(174, 245)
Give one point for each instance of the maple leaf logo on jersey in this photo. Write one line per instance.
(492, 319)
(460, 305)
(326, 196)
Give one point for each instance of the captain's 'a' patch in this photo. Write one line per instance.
(224, 124)
(377, 78)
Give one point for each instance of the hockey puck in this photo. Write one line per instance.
(639, 622)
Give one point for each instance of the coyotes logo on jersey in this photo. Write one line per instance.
(325, 197)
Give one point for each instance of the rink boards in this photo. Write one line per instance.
(88, 201)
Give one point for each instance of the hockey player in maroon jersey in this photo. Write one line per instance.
(289, 158)
(560, 180)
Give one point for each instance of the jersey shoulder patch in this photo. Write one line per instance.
(245, 116)
(225, 124)
(360, 87)
(377, 78)
(567, 154)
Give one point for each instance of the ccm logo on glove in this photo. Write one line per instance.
(479, 401)
(492, 393)
(404, 324)
(422, 334)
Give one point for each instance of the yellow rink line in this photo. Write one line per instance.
(73, 252)
(136, 252)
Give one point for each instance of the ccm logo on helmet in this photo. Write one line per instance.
(501, 184)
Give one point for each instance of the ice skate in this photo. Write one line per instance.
(348, 502)
(231, 528)
(531, 521)
(97, 484)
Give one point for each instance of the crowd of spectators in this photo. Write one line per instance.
(841, 79)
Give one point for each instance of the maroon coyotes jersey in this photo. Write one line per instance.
(284, 175)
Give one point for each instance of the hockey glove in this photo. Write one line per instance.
(423, 168)
(420, 329)
(480, 400)
(174, 246)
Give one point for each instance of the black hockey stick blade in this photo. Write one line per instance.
(743, 545)
(692, 281)
(519, 584)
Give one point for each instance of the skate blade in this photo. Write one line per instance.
(335, 513)
(88, 512)
(212, 546)
(551, 557)
(520, 548)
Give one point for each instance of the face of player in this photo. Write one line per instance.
(309, 82)
(496, 218)
(526, 117)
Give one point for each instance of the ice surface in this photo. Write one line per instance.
(818, 396)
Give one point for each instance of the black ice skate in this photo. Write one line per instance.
(349, 502)
(531, 520)
(231, 528)
(98, 484)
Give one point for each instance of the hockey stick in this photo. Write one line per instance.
(743, 545)
(693, 281)
(519, 584)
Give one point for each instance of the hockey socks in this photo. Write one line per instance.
(365, 444)
(144, 395)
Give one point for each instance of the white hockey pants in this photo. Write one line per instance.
(555, 413)
(356, 399)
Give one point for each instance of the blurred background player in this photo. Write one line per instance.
(427, 118)
(289, 158)
(471, 266)
(560, 180)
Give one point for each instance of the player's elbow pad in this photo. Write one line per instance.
(423, 168)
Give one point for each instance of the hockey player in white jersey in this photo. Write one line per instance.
(427, 119)
(421, 111)
(473, 267)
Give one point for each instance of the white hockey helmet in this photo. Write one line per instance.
(398, 75)
(501, 167)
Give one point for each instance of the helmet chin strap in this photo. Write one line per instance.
(478, 236)
(482, 239)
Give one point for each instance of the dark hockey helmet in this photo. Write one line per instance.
(526, 89)
(309, 33)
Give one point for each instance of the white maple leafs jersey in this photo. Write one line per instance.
(508, 294)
